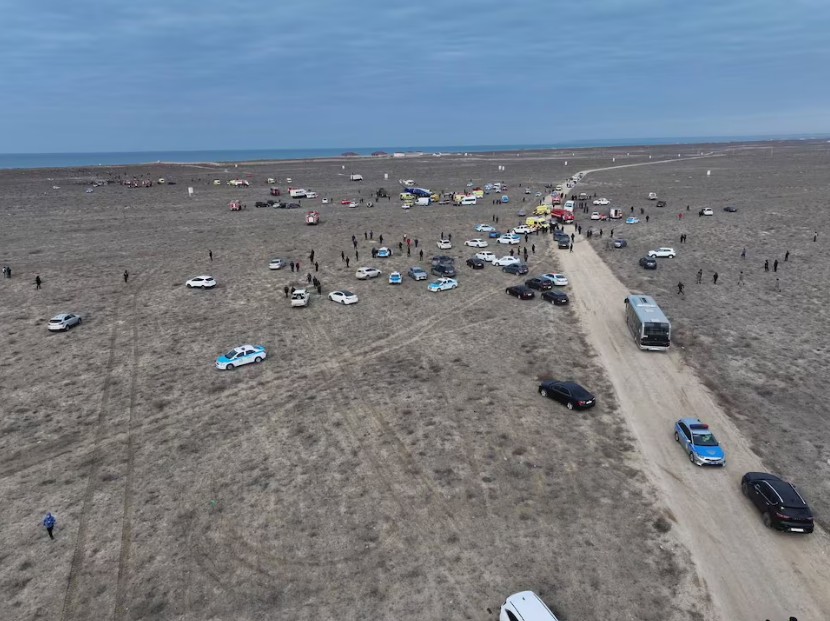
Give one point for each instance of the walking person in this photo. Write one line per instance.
(311, 256)
(291, 264)
(210, 254)
(715, 278)
(126, 275)
(400, 246)
(743, 253)
(354, 243)
(572, 238)
(342, 255)
(571, 247)
(533, 248)
(49, 523)
(766, 265)
(347, 261)
(777, 285)
(775, 266)
(699, 276)
(285, 289)
(786, 256)
(421, 255)
(741, 278)
(356, 255)
(647, 217)
(308, 278)
(380, 239)
(679, 288)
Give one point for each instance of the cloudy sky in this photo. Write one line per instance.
(185, 74)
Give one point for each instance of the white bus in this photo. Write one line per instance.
(649, 326)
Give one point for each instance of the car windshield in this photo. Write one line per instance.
(346, 293)
(705, 439)
(230, 354)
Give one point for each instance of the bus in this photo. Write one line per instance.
(649, 326)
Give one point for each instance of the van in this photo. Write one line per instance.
(297, 193)
(407, 196)
(424, 201)
(525, 606)
(569, 205)
(467, 200)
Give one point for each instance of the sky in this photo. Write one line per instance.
(88, 75)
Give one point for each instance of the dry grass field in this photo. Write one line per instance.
(391, 458)
(763, 352)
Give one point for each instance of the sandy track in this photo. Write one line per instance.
(751, 572)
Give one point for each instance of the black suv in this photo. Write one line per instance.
(444, 269)
(521, 292)
(475, 263)
(781, 506)
(649, 263)
(564, 243)
(555, 297)
(542, 284)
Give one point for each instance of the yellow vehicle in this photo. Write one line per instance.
(434, 197)
(406, 196)
(409, 201)
(542, 210)
(217, 182)
(479, 193)
(538, 222)
(456, 198)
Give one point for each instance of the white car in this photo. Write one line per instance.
(602, 201)
(201, 282)
(325, 201)
(406, 206)
(538, 195)
(509, 239)
(484, 228)
(442, 284)
(486, 256)
(343, 297)
(707, 211)
(312, 195)
(444, 244)
(523, 229)
(476, 243)
(662, 253)
(505, 261)
(64, 321)
(365, 273)
(652, 196)
(244, 354)
(525, 606)
(595, 215)
(560, 280)
(275, 264)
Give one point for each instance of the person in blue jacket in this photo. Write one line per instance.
(49, 523)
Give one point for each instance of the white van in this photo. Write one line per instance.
(297, 193)
(467, 200)
(525, 606)
(423, 200)
(652, 196)
(569, 206)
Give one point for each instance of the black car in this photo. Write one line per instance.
(620, 243)
(570, 393)
(781, 505)
(475, 263)
(440, 258)
(649, 263)
(661, 203)
(521, 292)
(564, 243)
(542, 284)
(730, 209)
(444, 269)
(517, 268)
(556, 297)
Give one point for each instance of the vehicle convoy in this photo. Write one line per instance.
(698, 442)
(574, 396)
(779, 502)
(648, 325)
(300, 297)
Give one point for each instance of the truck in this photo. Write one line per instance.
(297, 192)
(275, 191)
(556, 198)
(562, 215)
(312, 217)
(615, 213)
(300, 297)
(355, 177)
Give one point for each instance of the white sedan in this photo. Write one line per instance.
(244, 354)
(602, 201)
(364, 273)
(484, 228)
(662, 253)
(343, 297)
(707, 211)
(444, 244)
(595, 216)
(509, 239)
(523, 229)
(560, 280)
(201, 282)
(276, 264)
(476, 243)
(442, 284)
(505, 261)
(486, 256)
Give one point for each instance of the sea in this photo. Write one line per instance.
(61, 160)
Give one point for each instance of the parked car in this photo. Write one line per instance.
(620, 243)
(595, 215)
(602, 201)
(275, 264)
(443, 269)
(384, 252)
(525, 606)
(523, 229)
(781, 506)
(506, 260)
(342, 296)
(444, 244)
(521, 292)
(648, 263)
(364, 273)
(730, 209)
(201, 282)
(417, 273)
(484, 228)
(494, 234)
(476, 243)
(476, 263)
(571, 394)
(706, 211)
(541, 284)
(509, 239)
(660, 204)
(560, 280)
(244, 354)
(442, 284)
(519, 269)
(555, 296)
(63, 321)
(395, 278)
(662, 253)
(441, 258)
(698, 442)
(486, 256)
(632, 220)
(563, 243)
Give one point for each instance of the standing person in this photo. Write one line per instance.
(416, 242)
(347, 261)
(316, 266)
(786, 256)
(777, 285)
(715, 278)
(342, 255)
(292, 290)
(319, 289)
(572, 238)
(285, 289)
(647, 217)
(815, 236)
(525, 252)
(49, 523)
(421, 255)
(210, 254)
(291, 264)
(297, 266)
(533, 248)
(380, 239)
(354, 243)
(741, 278)
(612, 233)
(409, 251)
(775, 266)
(371, 234)
(356, 255)
(743, 253)
(699, 276)
(311, 255)
(400, 246)
(354, 239)
(449, 236)
(571, 247)
(766, 265)
(308, 278)
(679, 288)
(126, 275)
(365, 235)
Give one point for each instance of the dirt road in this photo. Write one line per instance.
(751, 573)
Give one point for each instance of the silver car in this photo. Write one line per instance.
(64, 321)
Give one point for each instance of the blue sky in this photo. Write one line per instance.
(186, 74)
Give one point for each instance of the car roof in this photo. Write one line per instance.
(788, 493)
(61, 316)
(416, 268)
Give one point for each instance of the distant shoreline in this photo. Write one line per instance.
(221, 158)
